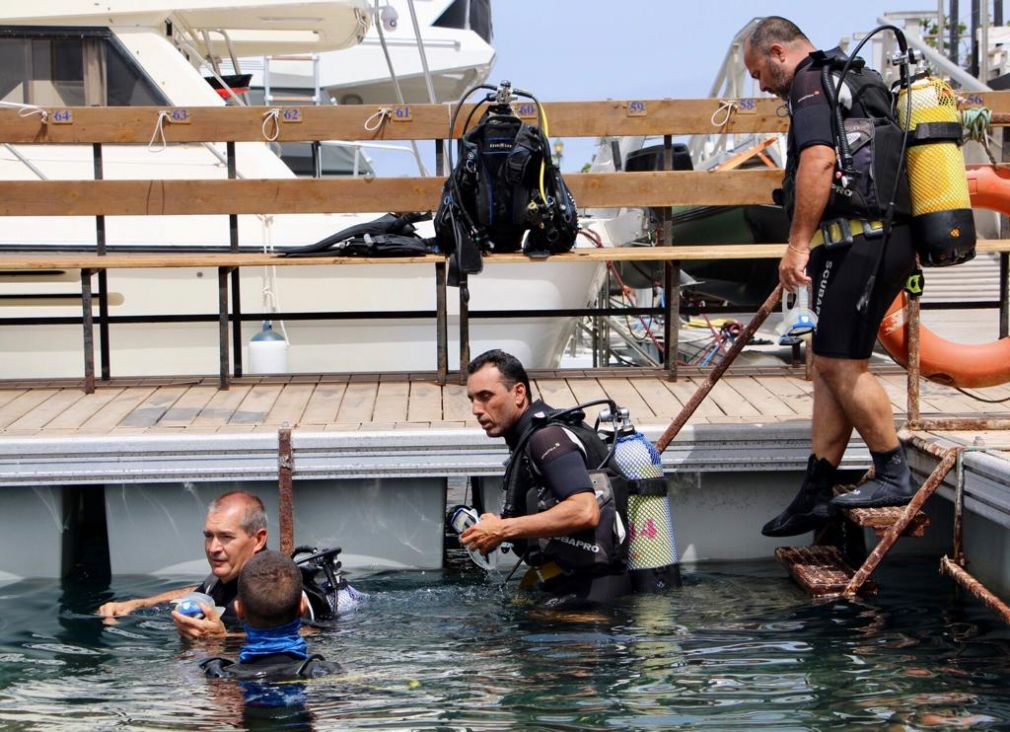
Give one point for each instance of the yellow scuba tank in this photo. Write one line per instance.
(942, 223)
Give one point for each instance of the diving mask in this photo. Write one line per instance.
(462, 518)
(797, 321)
(189, 605)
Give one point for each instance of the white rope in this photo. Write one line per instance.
(380, 118)
(272, 115)
(726, 109)
(159, 131)
(29, 110)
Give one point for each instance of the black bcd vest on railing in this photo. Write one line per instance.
(493, 195)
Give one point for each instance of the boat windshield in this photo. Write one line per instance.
(472, 15)
(70, 68)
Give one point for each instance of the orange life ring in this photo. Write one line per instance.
(946, 362)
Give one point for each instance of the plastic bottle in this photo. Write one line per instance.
(268, 352)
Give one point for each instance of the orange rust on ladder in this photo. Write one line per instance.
(285, 471)
(820, 570)
(975, 588)
(892, 534)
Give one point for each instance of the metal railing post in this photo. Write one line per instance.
(103, 276)
(236, 293)
(89, 332)
(222, 326)
(441, 322)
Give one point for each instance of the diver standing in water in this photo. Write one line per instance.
(235, 530)
(568, 529)
(836, 237)
(270, 604)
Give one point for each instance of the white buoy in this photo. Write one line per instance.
(268, 352)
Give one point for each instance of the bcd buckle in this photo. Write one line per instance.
(844, 232)
(872, 229)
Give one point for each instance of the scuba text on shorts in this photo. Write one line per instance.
(594, 551)
(653, 561)
(321, 579)
(504, 184)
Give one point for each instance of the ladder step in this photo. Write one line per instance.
(881, 519)
(820, 570)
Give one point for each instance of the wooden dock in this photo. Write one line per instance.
(397, 401)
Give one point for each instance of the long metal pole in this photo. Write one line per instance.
(285, 499)
(738, 345)
(236, 293)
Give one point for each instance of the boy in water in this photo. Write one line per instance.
(270, 603)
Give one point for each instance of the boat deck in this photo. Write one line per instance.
(396, 402)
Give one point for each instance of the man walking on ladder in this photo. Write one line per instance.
(839, 248)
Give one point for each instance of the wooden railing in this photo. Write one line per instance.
(232, 125)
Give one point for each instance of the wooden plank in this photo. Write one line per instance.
(730, 401)
(798, 394)
(555, 392)
(290, 404)
(115, 411)
(688, 252)
(359, 399)
(257, 404)
(391, 402)
(587, 390)
(18, 407)
(83, 409)
(684, 389)
(221, 407)
(622, 392)
(7, 395)
(661, 400)
(333, 195)
(425, 404)
(188, 406)
(323, 404)
(44, 413)
(755, 392)
(154, 407)
(427, 121)
(455, 405)
(348, 122)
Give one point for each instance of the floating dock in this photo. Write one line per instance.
(134, 464)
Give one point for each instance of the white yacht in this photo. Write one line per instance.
(60, 53)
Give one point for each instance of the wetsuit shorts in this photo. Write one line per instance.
(839, 274)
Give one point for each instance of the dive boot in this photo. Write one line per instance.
(811, 508)
(891, 484)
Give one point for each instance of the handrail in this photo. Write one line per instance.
(134, 125)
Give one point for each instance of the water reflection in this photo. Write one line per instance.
(738, 646)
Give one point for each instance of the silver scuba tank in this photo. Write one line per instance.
(653, 561)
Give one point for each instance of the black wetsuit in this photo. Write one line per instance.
(274, 667)
(551, 467)
(840, 272)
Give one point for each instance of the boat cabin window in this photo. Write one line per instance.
(71, 70)
(472, 15)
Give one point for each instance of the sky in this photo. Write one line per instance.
(586, 50)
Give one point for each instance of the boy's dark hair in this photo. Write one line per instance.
(508, 366)
(774, 29)
(270, 589)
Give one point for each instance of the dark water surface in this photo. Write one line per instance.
(739, 647)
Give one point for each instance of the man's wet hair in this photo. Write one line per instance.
(270, 590)
(774, 29)
(254, 517)
(508, 366)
